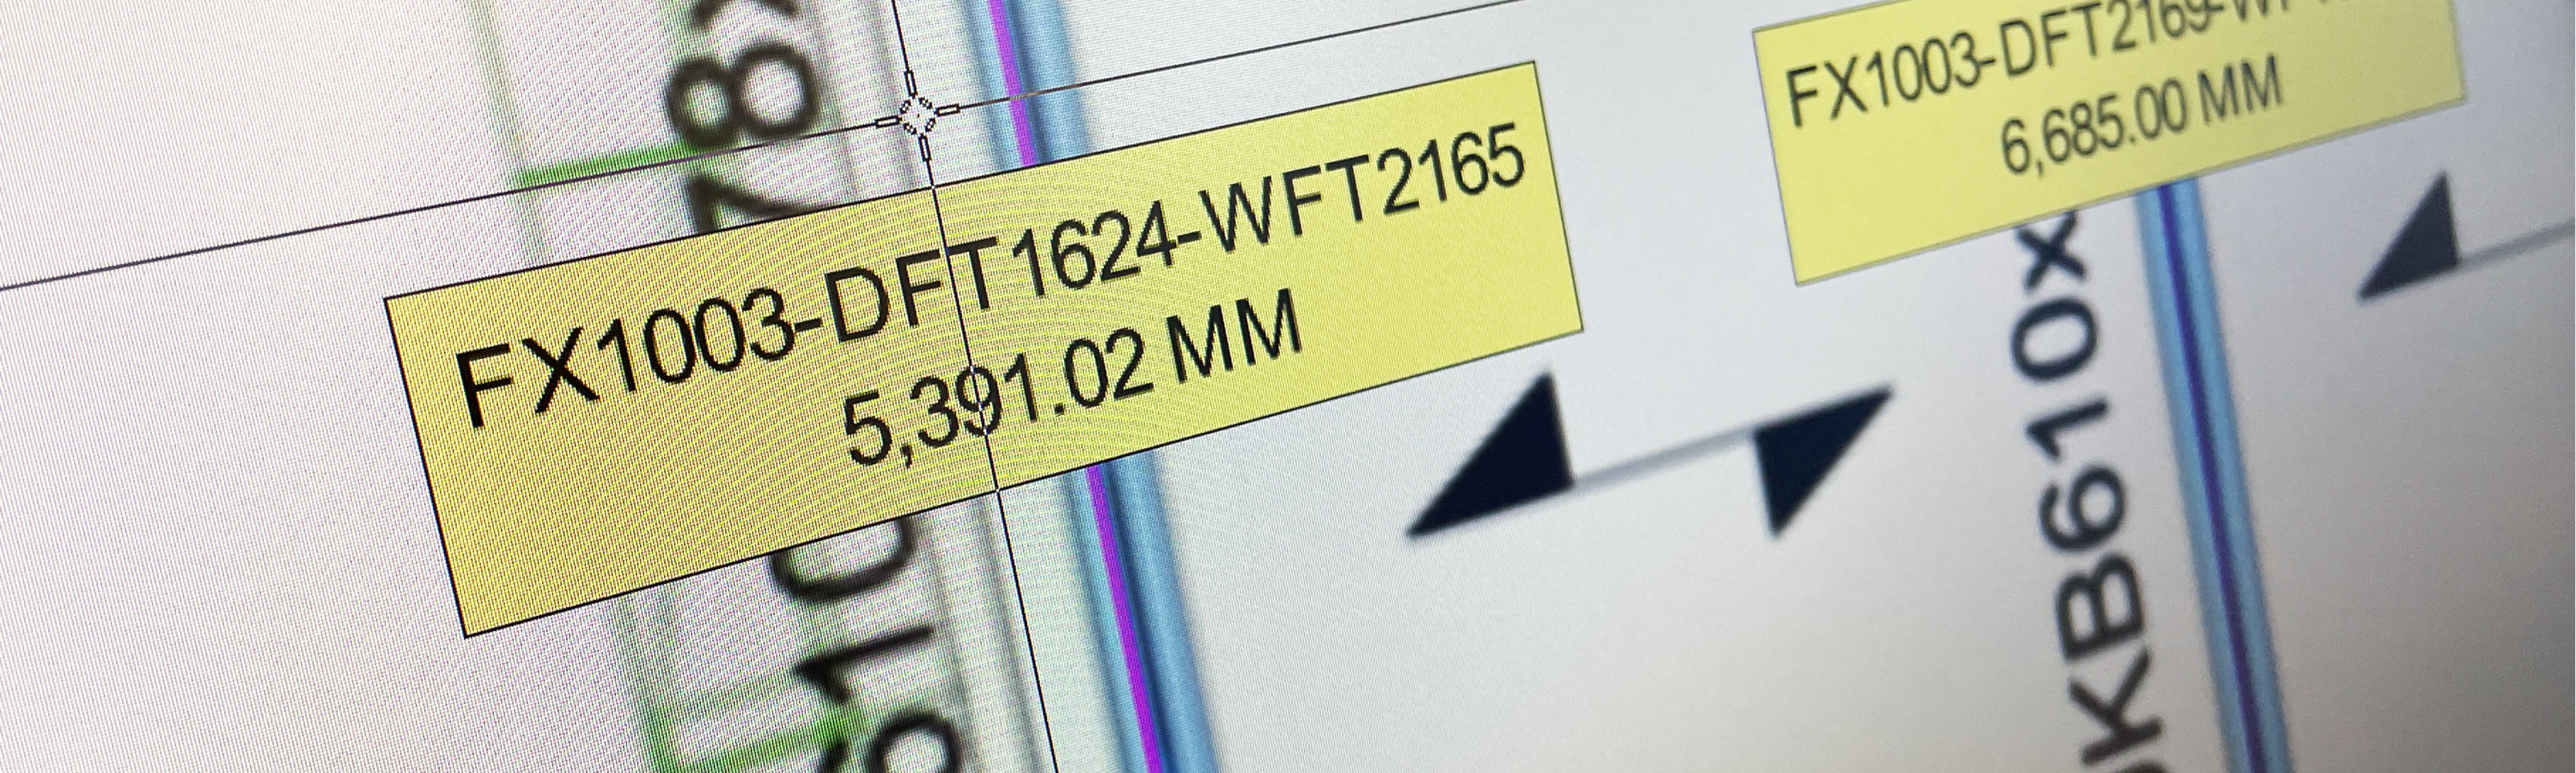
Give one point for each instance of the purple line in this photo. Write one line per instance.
(1009, 52)
(2197, 391)
(1105, 522)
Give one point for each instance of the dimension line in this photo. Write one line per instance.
(880, 122)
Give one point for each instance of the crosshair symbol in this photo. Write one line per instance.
(917, 116)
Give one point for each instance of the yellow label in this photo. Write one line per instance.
(1109, 303)
(1910, 124)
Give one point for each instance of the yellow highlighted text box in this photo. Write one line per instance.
(667, 445)
(1909, 124)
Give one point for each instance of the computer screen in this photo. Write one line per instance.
(1024, 386)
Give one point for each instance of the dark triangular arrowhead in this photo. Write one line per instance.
(2424, 249)
(1796, 452)
(1522, 461)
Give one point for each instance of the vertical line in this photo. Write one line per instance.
(2205, 432)
(1162, 618)
(1119, 624)
(992, 466)
(1108, 654)
(660, 752)
(882, 64)
(1007, 50)
(2196, 396)
(2243, 563)
(505, 120)
(2158, 262)
(1047, 58)
(1002, 629)
(1104, 523)
(966, 347)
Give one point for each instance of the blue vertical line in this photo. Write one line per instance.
(1154, 580)
(1106, 644)
(2200, 399)
(998, 139)
(1042, 55)
(1046, 61)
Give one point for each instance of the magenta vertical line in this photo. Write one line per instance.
(1008, 50)
(1110, 559)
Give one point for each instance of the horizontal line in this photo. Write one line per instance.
(952, 183)
(1703, 445)
(1660, 459)
(882, 122)
(2524, 243)
(440, 205)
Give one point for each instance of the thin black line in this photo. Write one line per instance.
(992, 464)
(899, 48)
(445, 549)
(879, 123)
(1657, 460)
(999, 173)
(2522, 244)
(993, 472)
(1665, 458)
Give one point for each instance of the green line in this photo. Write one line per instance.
(760, 753)
(556, 173)
(504, 118)
(654, 721)
(705, 703)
